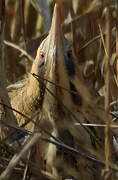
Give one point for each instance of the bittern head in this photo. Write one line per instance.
(55, 62)
(55, 51)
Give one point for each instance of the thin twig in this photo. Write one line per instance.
(96, 125)
(30, 120)
(26, 167)
(80, 152)
(103, 42)
(57, 85)
(107, 88)
(71, 113)
(30, 58)
(94, 39)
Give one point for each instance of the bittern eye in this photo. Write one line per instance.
(41, 55)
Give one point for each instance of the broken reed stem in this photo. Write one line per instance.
(103, 42)
(73, 32)
(116, 41)
(107, 87)
(9, 116)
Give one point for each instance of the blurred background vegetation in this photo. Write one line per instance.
(91, 26)
(27, 23)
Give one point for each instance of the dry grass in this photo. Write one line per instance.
(93, 31)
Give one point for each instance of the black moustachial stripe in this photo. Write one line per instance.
(76, 97)
(69, 63)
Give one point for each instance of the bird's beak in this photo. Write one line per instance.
(55, 33)
(55, 37)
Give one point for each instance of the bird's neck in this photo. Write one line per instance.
(33, 85)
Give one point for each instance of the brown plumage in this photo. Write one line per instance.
(56, 107)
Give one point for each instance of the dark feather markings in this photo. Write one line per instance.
(76, 97)
(69, 63)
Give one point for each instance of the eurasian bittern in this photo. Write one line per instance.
(60, 97)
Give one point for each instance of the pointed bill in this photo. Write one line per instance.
(55, 33)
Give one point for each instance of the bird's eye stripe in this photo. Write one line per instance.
(41, 64)
(42, 55)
